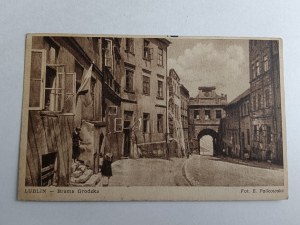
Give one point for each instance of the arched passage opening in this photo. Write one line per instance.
(209, 135)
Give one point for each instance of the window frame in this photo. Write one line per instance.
(160, 123)
(146, 80)
(220, 111)
(147, 51)
(42, 79)
(266, 63)
(146, 131)
(58, 73)
(257, 68)
(115, 110)
(160, 94)
(118, 124)
(160, 57)
(209, 115)
(110, 57)
(129, 45)
(132, 79)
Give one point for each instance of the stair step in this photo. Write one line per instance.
(95, 179)
(91, 182)
(83, 178)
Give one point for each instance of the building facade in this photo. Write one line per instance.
(184, 98)
(176, 136)
(69, 87)
(265, 98)
(144, 96)
(205, 113)
(236, 126)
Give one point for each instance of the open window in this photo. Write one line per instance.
(108, 54)
(37, 76)
(54, 88)
(51, 89)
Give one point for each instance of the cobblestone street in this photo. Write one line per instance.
(197, 171)
(148, 172)
(212, 171)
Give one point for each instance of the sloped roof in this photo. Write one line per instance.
(238, 98)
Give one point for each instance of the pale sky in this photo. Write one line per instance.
(220, 63)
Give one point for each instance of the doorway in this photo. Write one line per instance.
(127, 140)
(127, 133)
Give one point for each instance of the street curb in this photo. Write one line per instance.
(184, 173)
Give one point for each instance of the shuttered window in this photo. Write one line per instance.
(37, 76)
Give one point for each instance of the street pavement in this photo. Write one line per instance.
(198, 170)
(148, 172)
(204, 170)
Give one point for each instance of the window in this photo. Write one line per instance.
(160, 89)
(243, 140)
(108, 54)
(259, 101)
(54, 88)
(248, 136)
(268, 134)
(160, 122)
(207, 114)
(254, 103)
(255, 133)
(146, 85)
(37, 74)
(146, 121)
(112, 110)
(266, 63)
(160, 57)
(147, 50)
(253, 71)
(267, 96)
(118, 125)
(129, 80)
(196, 114)
(257, 68)
(129, 45)
(127, 119)
(176, 111)
(218, 114)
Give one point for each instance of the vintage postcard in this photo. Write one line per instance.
(120, 118)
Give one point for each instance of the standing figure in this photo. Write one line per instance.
(106, 167)
(76, 139)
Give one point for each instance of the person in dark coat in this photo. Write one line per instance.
(76, 139)
(106, 166)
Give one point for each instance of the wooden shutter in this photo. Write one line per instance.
(37, 75)
(70, 93)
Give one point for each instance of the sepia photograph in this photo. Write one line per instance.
(108, 118)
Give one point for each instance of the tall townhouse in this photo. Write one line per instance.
(185, 96)
(235, 127)
(144, 97)
(68, 88)
(177, 144)
(265, 98)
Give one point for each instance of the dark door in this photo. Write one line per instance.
(127, 140)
